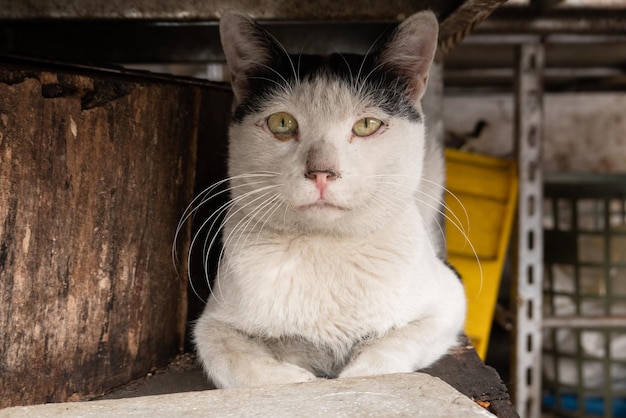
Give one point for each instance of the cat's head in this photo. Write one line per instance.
(331, 144)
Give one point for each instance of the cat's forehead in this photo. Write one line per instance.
(328, 85)
(325, 97)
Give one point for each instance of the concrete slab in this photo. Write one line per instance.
(397, 395)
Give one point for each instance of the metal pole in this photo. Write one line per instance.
(527, 287)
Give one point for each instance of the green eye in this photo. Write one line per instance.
(283, 125)
(366, 126)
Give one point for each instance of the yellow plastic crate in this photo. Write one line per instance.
(480, 207)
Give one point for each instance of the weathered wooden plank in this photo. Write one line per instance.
(463, 370)
(95, 171)
(293, 10)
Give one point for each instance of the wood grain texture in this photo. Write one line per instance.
(95, 171)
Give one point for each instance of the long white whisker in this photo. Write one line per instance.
(372, 71)
(273, 203)
(206, 195)
(280, 45)
(251, 216)
(276, 203)
(369, 50)
(205, 253)
(454, 196)
(422, 220)
(235, 228)
(201, 199)
(228, 204)
(187, 213)
(285, 86)
(453, 221)
(458, 222)
(217, 213)
(343, 58)
(441, 207)
(282, 86)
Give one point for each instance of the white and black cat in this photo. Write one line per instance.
(328, 267)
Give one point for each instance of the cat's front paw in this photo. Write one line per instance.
(260, 373)
(371, 364)
(287, 373)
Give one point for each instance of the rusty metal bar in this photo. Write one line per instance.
(585, 322)
(527, 288)
(509, 20)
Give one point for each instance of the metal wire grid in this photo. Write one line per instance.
(584, 351)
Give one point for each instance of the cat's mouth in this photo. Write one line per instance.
(321, 205)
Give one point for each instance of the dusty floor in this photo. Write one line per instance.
(183, 374)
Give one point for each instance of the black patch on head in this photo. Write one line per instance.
(362, 75)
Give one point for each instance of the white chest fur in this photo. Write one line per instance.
(329, 290)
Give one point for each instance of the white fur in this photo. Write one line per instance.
(347, 286)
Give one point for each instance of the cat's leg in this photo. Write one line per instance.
(402, 350)
(233, 359)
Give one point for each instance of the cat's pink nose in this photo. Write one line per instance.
(321, 178)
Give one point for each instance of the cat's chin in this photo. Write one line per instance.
(330, 219)
(322, 217)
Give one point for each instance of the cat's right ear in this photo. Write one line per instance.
(411, 49)
(247, 48)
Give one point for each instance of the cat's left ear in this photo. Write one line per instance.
(410, 50)
(247, 48)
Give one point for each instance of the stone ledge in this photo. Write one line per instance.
(397, 395)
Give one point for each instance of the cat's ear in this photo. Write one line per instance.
(410, 50)
(247, 48)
